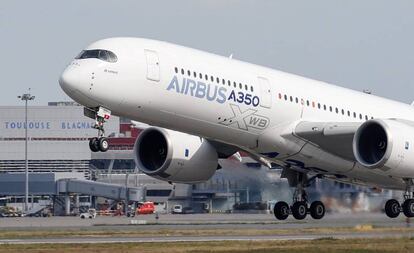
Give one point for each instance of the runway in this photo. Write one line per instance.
(104, 240)
(207, 227)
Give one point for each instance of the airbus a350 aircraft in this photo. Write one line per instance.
(205, 107)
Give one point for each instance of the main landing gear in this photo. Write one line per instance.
(393, 208)
(300, 207)
(100, 143)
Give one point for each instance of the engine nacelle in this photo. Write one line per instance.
(174, 156)
(386, 144)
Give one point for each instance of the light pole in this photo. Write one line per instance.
(26, 97)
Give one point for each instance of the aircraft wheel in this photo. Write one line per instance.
(103, 144)
(392, 208)
(299, 210)
(281, 210)
(317, 210)
(408, 207)
(94, 144)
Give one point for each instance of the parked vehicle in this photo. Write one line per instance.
(91, 214)
(177, 209)
(145, 208)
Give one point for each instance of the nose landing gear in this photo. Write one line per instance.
(100, 115)
(300, 208)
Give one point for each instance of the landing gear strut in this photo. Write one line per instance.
(100, 115)
(300, 208)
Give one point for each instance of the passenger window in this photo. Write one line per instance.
(223, 81)
(324, 107)
(200, 76)
(285, 97)
(206, 76)
(188, 72)
(195, 74)
(212, 78)
(217, 80)
(176, 70)
(235, 84)
(297, 100)
(307, 102)
(291, 99)
(251, 88)
(182, 71)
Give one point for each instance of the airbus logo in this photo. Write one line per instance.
(245, 119)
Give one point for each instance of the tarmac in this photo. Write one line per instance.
(206, 221)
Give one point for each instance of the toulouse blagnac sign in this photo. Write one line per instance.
(45, 125)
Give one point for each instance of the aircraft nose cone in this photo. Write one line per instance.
(69, 80)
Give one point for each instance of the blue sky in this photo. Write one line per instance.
(356, 44)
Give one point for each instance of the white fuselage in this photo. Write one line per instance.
(227, 100)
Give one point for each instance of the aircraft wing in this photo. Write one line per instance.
(333, 137)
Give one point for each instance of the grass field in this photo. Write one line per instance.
(401, 245)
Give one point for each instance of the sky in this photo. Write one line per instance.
(351, 43)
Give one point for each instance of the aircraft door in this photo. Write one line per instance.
(265, 92)
(153, 65)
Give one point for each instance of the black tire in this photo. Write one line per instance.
(281, 210)
(103, 144)
(392, 208)
(408, 208)
(94, 144)
(317, 210)
(299, 210)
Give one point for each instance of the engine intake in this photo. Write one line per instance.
(175, 156)
(372, 144)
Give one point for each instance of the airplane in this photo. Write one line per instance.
(203, 107)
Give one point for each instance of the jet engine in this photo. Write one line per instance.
(387, 145)
(174, 156)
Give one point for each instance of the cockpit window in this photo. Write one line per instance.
(101, 54)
